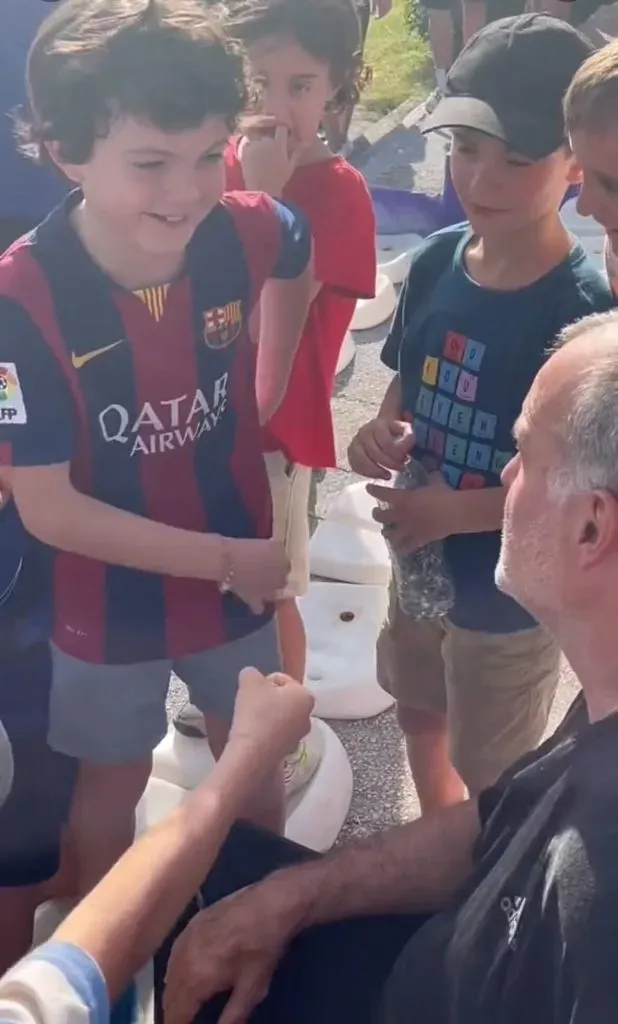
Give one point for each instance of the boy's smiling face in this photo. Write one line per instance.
(292, 86)
(149, 188)
(597, 155)
(501, 191)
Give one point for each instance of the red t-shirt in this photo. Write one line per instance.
(335, 200)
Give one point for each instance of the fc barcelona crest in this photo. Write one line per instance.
(222, 324)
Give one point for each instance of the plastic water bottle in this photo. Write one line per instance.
(423, 582)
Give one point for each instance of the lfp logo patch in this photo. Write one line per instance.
(12, 407)
(8, 383)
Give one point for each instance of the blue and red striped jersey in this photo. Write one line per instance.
(151, 398)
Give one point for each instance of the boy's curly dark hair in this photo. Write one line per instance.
(327, 29)
(168, 62)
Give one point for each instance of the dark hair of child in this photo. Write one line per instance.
(166, 62)
(329, 30)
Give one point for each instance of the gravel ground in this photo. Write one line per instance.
(383, 791)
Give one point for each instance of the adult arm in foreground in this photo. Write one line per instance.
(237, 944)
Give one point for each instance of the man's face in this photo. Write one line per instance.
(151, 188)
(502, 191)
(597, 155)
(534, 558)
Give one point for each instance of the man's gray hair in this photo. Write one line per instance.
(589, 431)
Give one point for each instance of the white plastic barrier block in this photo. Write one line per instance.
(343, 621)
(394, 254)
(160, 797)
(348, 351)
(372, 312)
(349, 553)
(314, 815)
(354, 506)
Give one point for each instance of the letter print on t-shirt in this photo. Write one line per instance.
(456, 431)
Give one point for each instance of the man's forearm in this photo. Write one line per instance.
(416, 868)
(479, 511)
(283, 313)
(74, 522)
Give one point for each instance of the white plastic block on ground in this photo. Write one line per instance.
(394, 254)
(349, 553)
(342, 621)
(354, 506)
(314, 816)
(372, 312)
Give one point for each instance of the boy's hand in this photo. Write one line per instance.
(413, 519)
(272, 714)
(380, 446)
(261, 569)
(265, 156)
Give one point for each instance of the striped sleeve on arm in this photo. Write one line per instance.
(56, 984)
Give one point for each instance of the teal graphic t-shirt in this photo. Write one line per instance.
(467, 356)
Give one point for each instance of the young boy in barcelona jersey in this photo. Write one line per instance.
(129, 415)
(304, 58)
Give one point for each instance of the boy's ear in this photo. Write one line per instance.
(71, 171)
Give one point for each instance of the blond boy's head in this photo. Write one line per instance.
(591, 115)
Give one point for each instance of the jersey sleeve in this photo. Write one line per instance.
(275, 238)
(294, 242)
(37, 414)
(56, 983)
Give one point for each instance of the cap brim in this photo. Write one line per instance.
(524, 135)
(464, 112)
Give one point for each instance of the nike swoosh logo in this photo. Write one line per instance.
(80, 361)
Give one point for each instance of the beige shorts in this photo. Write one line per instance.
(290, 486)
(496, 689)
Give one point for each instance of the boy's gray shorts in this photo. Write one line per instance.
(115, 714)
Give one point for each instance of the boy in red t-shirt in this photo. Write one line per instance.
(304, 58)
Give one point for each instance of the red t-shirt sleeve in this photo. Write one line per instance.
(337, 205)
(336, 202)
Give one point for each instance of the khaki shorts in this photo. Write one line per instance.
(496, 689)
(290, 486)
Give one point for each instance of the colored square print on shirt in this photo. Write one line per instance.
(458, 435)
